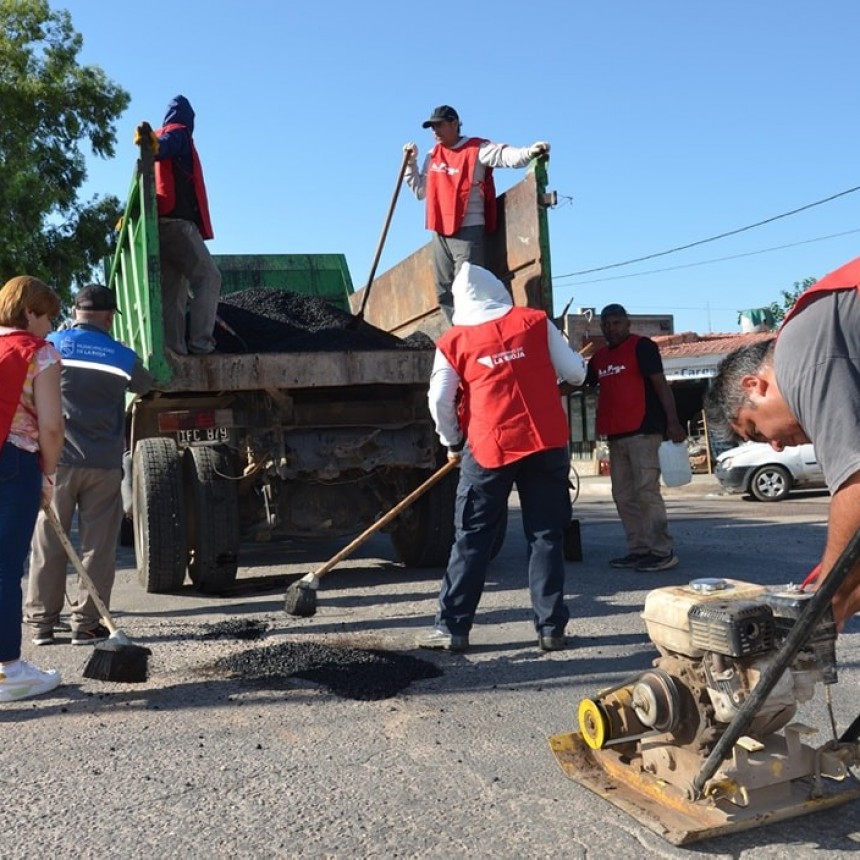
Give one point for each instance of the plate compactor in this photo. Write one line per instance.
(706, 742)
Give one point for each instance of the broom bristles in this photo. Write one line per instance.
(115, 661)
(301, 600)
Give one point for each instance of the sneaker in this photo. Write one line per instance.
(653, 563)
(552, 643)
(25, 680)
(442, 639)
(89, 637)
(631, 560)
(44, 637)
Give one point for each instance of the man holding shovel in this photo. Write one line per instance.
(97, 371)
(495, 399)
(456, 180)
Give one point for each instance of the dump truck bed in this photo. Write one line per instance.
(236, 372)
(403, 299)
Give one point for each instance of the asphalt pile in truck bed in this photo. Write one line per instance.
(268, 320)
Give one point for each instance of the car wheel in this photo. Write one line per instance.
(770, 483)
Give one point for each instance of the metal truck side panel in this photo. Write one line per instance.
(402, 300)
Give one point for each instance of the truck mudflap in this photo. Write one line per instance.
(210, 487)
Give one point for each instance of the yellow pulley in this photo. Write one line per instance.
(593, 724)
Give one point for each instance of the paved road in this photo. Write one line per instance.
(197, 763)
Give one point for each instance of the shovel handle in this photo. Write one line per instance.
(384, 233)
(79, 567)
(386, 518)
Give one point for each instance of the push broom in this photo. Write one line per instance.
(115, 659)
(301, 596)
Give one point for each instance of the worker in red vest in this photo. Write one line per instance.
(495, 399)
(635, 411)
(190, 280)
(804, 386)
(456, 180)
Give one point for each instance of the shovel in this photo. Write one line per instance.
(301, 596)
(359, 317)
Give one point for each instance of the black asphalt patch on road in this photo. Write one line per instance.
(235, 628)
(351, 673)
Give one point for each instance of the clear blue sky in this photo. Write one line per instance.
(670, 122)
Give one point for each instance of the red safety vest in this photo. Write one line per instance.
(510, 404)
(165, 185)
(449, 183)
(846, 277)
(621, 401)
(16, 352)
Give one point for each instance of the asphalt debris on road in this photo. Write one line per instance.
(235, 628)
(352, 673)
(270, 320)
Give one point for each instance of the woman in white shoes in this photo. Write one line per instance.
(31, 434)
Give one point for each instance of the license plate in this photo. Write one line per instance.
(206, 434)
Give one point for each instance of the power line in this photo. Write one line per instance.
(713, 238)
(706, 262)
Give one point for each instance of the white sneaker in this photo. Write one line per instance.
(25, 680)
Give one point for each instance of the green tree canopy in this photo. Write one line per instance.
(49, 107)
(789, 297)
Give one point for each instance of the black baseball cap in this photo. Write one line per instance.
(443, 113)
(613, 310)
(94, 297)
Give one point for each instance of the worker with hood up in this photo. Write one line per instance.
(495, 399)
(190, 280)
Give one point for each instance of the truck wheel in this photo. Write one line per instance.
(213, 518)
(159, 516)
(424, 533)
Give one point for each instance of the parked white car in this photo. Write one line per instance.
(765, 474)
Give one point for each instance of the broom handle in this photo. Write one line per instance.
(79, 567)
(387, 518)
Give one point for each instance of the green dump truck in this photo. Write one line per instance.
(234, 447)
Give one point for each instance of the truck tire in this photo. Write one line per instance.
(213, 518)
(423, 535)
(159, 516)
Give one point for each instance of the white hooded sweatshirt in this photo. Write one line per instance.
(479, 297)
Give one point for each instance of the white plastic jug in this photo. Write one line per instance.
(675, 464)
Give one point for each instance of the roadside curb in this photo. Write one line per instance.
(601, 486)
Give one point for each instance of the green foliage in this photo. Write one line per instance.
(50, 106)
(789, 297)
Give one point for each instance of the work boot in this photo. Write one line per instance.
(552, 643)
(441, 639)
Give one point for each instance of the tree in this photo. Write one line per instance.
(49, 107)
(789, 297)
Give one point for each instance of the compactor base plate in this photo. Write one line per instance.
(663, 808)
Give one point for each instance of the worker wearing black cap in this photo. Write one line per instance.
(456, 180)
(635, 411)
(96, 374)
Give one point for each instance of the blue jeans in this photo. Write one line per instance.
(482, 497)
(20, 497)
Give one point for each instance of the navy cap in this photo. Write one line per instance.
(443, 113)
(95, 297)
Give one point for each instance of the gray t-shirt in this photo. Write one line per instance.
(817, 362)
